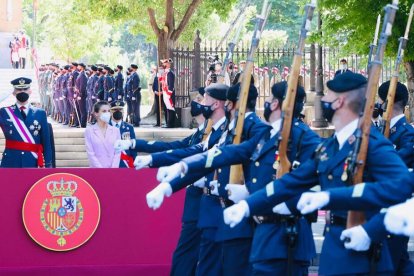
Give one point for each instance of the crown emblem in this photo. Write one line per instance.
(62, 188)
(22, 81)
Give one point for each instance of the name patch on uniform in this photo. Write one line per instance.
(358, 190)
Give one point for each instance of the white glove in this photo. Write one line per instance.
(119, 97)
(356, 238)
(60, 98)
(156, 196)
(237, 192)
(167, 174)
(214, 187)
(109, 99)
(121, 145)
(200, 183)
(310, 202)
(79, 98)
(399, 219)
(133, 98)
(234, 214)
(281, 209)
(93, 97)
(141, 162)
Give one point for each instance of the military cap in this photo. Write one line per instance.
(94, 68)
(21, 83)
(279, 91)
(82, 65)
(401, 93)
(217, 91)
(117, 105)
(67, 67)
(167, 60)
(100, 69)
(134, 66)
(120, 67)
(107, 68)
(75, 64)
(111, 71)
(346, 82)
(242, 62)
(233, 93)
(201, 90)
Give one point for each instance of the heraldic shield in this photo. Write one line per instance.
(61, 212)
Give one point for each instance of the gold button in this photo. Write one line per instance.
(219, 170)
(257, 164)
(254, 180)
(330, 177)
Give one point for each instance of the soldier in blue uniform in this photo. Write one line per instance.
(64, 89)
(127, 96)
(108, 85)
(341, 106)
(119, 83)
(186, 253)
(402, 138)
(81, 83)
(90, 90)
(270, 249)
(217, 244)
(135, 95)
(127, 133)
(26, 131)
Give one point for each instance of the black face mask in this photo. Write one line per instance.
(267, 111)
(207, 111)
(117, 115)
(327, 110)
(22, 97)
(196, 109)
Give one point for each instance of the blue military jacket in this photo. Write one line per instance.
(326, 168)
(259, 157)
(126, 128)
(36, 123)
(193, 194)
(402, 136)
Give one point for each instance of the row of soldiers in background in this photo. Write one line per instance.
(68, 93)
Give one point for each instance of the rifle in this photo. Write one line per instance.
(236, 171)
(241, 13)
(230, 48)
(288, 106)
(76, 111)
(373, 45)
(393, 83)
(357, 159)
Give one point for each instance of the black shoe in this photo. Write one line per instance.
(156, 125)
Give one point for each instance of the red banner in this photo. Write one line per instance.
(131, 239)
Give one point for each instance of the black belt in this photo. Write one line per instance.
(337, 221)
(274, 218)
(224, 202)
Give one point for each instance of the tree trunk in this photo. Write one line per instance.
(409, 70)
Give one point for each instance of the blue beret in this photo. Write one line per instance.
(94, 68)
(233, 93)
(279, 91)
(346, 82)
(107, 68)
(401, 93)
(21, 83)
(217, 91)
(75, 64)
(134, 66)
(82, 65)
(117, 104)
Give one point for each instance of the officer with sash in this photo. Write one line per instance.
(127, 133)
(341, 106)
(26, 131)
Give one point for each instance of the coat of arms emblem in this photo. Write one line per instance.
(61, 212)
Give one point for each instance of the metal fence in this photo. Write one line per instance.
(191, 66)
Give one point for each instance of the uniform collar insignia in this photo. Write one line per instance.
(351, 139)
(394, 129)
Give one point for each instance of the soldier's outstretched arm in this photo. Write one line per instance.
(280, 190)
(170, 157)
(158, 146)
(372, 196)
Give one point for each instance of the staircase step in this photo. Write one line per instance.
(70, 141)
(75, 149)
(71, 155)
(72, 163)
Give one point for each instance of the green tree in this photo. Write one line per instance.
(161, 21)
(351, 24)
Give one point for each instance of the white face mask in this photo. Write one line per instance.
(106, 117)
